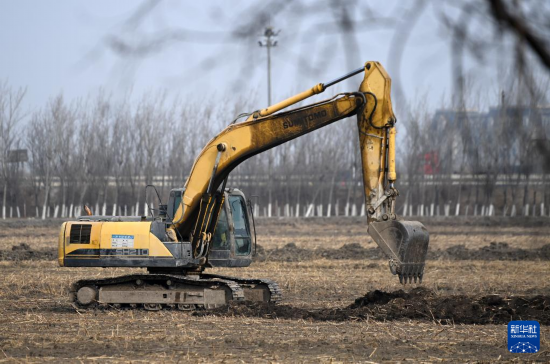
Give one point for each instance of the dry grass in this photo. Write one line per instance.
(319, 232)
(37, 323)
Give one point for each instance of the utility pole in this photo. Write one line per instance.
(268, 43)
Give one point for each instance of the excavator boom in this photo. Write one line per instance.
(405, 243)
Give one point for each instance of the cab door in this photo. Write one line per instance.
(231, 242)
(241, 225)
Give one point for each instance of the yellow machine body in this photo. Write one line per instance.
(103, 241)
(85, 242)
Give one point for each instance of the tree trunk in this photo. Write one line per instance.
(4, 199)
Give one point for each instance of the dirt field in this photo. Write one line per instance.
(340, 301)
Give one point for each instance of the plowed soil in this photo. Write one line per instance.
(418, 304)
(340, 301)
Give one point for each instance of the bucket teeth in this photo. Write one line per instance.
(410, 274)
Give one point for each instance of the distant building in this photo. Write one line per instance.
(469, 141)
(450, 131)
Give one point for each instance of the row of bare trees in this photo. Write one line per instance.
(103, 151)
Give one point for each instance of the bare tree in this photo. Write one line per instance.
(40, 137)
(11, 115)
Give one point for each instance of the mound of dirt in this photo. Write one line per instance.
(423, 303)
(420, 304)
(493, 251)
(291, 253)
(23, 251)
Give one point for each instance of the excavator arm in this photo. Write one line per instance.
(404, 242)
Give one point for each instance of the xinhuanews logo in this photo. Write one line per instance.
(523, 337)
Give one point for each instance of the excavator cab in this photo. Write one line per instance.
(233, 238)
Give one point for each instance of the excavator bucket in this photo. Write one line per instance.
(406, 244)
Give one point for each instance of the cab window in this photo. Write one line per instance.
(173, 203)
(240, 222)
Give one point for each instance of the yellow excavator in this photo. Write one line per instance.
(205, 224)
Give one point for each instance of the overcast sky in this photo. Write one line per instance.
(63, 46)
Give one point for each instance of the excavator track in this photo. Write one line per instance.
(275, 293)
(154, 292)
